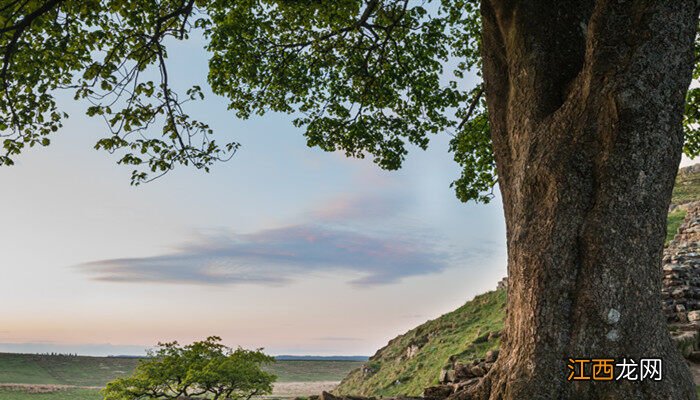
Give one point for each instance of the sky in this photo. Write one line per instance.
(284, 247)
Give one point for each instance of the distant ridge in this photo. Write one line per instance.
(321, 358)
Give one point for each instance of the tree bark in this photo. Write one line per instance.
(585, 101)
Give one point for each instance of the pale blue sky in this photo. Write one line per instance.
(284, 247)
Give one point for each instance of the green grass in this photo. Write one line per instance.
(686, 189)
(63, 370)
(97, 371)
(67, 394)
(451, 336)
(675, 218)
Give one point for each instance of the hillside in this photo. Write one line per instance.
(413, 361)
(686, 190)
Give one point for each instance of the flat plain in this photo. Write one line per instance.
(60, 377)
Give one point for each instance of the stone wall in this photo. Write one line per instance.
(681, 283)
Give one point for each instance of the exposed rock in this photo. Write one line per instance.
(462, 372)
(491, 356)
(463, 384)
(439, 392)
(444, 376)
(478, 371)
(502, 284)
(327, 396)
(680, 292)
(447, 376)
(412, 351)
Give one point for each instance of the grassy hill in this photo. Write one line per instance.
(459, 335)
(686, 190)
(413, 360)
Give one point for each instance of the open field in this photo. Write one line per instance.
(60, 392)
(47, 392)
(63, 370)
(43, 377)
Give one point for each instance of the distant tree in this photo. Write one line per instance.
(206, 368)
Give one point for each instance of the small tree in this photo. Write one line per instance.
(206, 368)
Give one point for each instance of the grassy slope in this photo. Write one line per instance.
(97, 371)
(675, 218)
(453, 333)
(686, 189)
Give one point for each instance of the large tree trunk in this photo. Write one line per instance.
(586, 100)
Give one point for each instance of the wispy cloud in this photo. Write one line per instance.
(279, 256)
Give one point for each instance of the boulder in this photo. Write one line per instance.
(412, 351)
(462, 372)
(491, 356)
(469, 382)
(694, 315)
(439, 392)
(478, 371)
(446, 376)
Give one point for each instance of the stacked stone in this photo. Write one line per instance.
(681, 283)
(681, 270)
(457, 382)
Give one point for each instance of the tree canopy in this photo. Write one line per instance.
(367, 77)
(205, 368)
